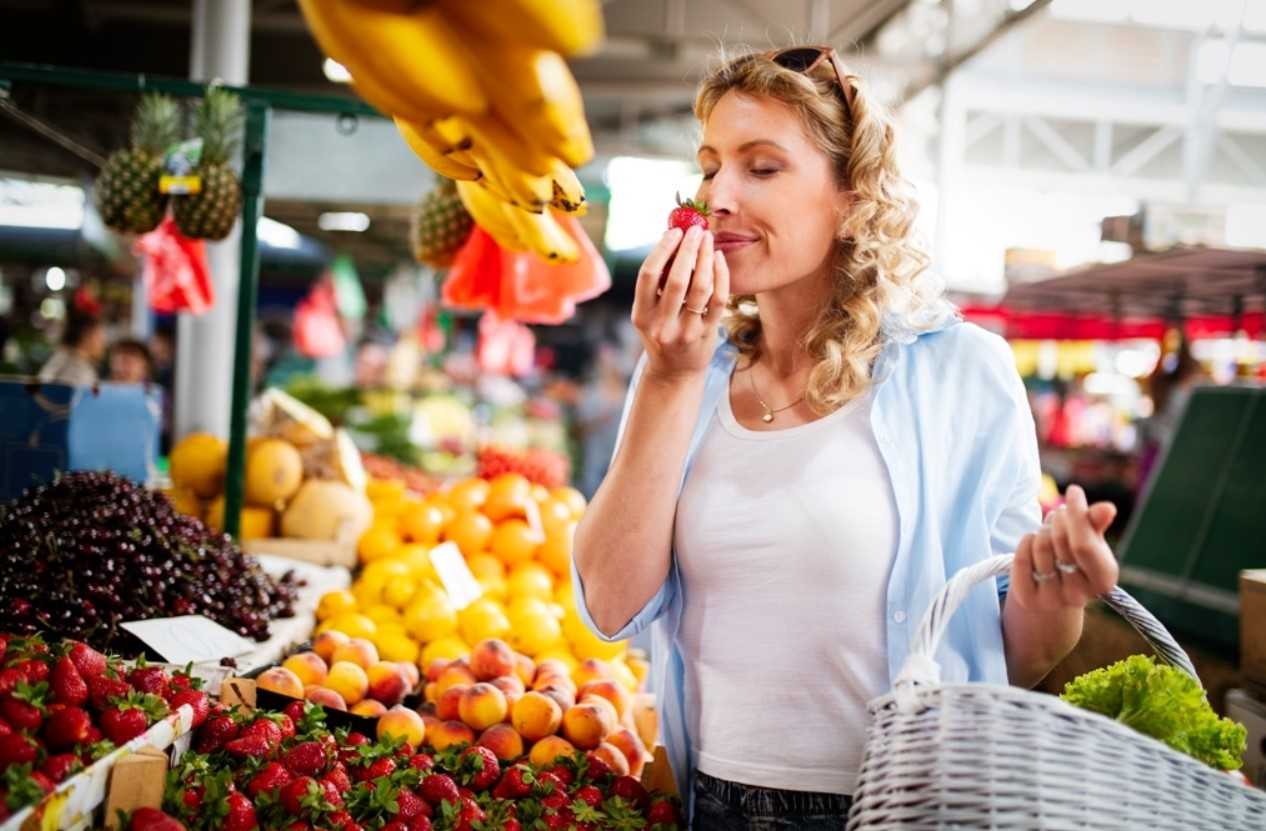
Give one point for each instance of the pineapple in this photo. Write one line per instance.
(440, 225)
(210, 213)
(126, 191)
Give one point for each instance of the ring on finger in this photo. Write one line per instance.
(692, 310)
(1067, 567)
(1041, 577)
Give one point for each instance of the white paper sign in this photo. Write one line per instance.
(189, 638)
(462, 587)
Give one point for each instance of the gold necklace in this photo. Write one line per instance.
(769, 411)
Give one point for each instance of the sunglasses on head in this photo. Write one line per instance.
(805, 59)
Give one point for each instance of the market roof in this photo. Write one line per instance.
(1184, 282)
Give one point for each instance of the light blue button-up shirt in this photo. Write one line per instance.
(956, 433)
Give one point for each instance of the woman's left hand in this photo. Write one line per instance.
(1067, 563)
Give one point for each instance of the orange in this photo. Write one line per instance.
(555, 513)
(423, 523)
(555, 554)
(514, 542)
(508, 495)
(378, 542)
(469, 494)
(484, 565)
(540, 493)
(574, 499)
(483, 619)
(448, 512)
(334, 603)
(530, 579)
(471, 530)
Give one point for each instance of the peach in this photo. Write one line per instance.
(607, 707)
(547, 750)
(402, 723)
(536, 716)
(436, 667)
(613, 757)
(591, 670)
(645, 718)
(631, 746)
(611, 691)
(309, 666)
(281, 681)
(491, 658)
(446, 734)
(482, 706)
(325, 643)
(504, 741)
(412, 676)
(549, 669)
(586, 724)
(448, 707)
(455, 675)
(387, 683)
(430, 721)
(368, 708)
(524, 667)
(509, 684)
(431, 692)
(565, 696)
(348, 680)
(359, 651)
(326, 697)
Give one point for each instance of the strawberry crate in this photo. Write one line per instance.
(72, 806)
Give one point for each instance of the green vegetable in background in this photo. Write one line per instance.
(1163, 702)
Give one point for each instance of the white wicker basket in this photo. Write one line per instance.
(989, 756)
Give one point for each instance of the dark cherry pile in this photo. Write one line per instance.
(93, 550)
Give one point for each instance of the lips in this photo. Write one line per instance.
(730, 241)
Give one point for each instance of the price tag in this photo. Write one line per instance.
(462, 587)
(187, 638)
(179, 185)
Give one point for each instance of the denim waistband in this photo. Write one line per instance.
(754, 801)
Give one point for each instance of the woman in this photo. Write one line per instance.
(806, 484)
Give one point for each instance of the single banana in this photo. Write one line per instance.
(534, 90)
(413, 64)
(543, 235)
(488, 214)
(572, 27)
(529, 189)
(421, 142)
(569, 194)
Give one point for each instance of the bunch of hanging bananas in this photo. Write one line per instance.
(481, 92)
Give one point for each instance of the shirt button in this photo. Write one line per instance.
(899, 616)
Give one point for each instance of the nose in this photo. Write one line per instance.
(720, 193)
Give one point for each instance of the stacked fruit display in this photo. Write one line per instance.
(345, 674)
(65, 705)
(287, 770)
(90, 551)
(483, 95)
(539, 465)
(304, 479)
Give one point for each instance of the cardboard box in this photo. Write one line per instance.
(1253, 627)
(1250, 712)
(307, 551)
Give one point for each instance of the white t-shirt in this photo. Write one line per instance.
(785, 540)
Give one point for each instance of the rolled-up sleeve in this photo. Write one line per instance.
(660, 601)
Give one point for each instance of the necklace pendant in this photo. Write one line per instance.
(767, 417)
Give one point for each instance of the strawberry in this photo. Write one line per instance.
(331, 792)
(563, 774)
(395, 825)
(516, 783)
(590, 795)
(596, 769)
(67, 728)
(662, 811)
(342, 821)
(129, 717)
(271, 777)
(9, 679)
(424, 824)
(306, 759)
(339, 778)
(87, 660)
(42, 779)
(285, 724)
(149, 679)
(556, 801)
(511, 824)
(421, 762)
(5, 728)
(689, 213)
(470, 814)
(410, 805)
(241, 816)
(248, 747)
(152, 819)
(102, 688)
(439, 787)
(481, 768)
(548, 783)
(24, 707)
(631, 791)
(379, 769)
(294, 710)
(294, 794)
(559, 820)
(266, 729)
(35, 670)
(67, 684)
(197, 701)
(216, 733)
(355, 739)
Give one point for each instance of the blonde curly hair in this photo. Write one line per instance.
(878, 264)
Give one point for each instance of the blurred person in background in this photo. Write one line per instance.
(131, 362)
(75, 361)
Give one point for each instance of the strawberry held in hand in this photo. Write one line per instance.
(689, 213)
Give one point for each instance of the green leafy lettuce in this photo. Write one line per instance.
(1163, 702)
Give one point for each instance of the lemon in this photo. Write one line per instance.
(468, 495)
(485, 565)
(587, 645)
(397, 646)
(399, 592)
(533, 626)
(494, 587)
(573, 498)
(334, 603)
(381, 614)
(625, 676)
(445, 649)
(431, 619)
(378, 542)
(354, 625)
(384, 489)
(367, 593)
(483, 619)
(530, 580)
(559, 651)
(418, 558)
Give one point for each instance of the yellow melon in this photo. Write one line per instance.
(256, 523)
(197, 462)
(327, 510)
(274, 471)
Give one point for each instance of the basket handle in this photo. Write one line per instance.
(920, 666)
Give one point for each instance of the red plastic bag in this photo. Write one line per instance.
(175, 270)
(474, 278)
(505, 347)
(318, 333)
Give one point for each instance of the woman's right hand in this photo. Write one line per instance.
(679, 342)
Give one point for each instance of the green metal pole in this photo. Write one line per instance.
(257, 113)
